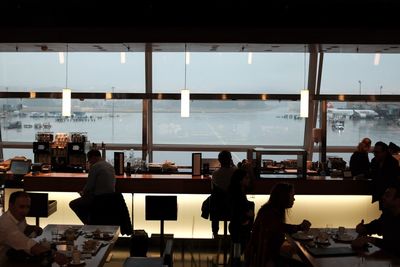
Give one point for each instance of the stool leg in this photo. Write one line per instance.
(225, 238)
(37, 221)
(161, 238)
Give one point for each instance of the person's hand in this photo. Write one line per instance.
(361, 229)
(305, 226)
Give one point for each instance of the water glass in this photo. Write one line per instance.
(54, 235)
(329, 228)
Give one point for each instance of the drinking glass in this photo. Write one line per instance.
(329, 228)
(54, 235)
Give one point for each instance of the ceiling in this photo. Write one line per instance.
(348, 26)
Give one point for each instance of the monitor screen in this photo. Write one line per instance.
(213, 163)
(20, 167)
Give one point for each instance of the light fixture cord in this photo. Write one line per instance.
(305, 67)
(66, 69)
(185, 68)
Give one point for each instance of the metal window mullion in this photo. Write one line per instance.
(147, 130)
(312, 74)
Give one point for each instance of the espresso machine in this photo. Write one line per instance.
(77, 148)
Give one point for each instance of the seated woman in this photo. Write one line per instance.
(268, 233)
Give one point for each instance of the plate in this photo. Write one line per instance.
(77, 264)
(302, 236)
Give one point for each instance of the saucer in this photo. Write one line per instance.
(77, 264)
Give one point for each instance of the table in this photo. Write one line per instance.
(97, 260)
(374, 256)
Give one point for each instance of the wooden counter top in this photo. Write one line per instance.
(188, 184)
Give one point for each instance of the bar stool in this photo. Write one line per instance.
(161, 208)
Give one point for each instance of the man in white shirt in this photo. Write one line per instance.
(101, 180)
(15, 232)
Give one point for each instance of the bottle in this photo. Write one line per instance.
(128, 169)
(103, 151)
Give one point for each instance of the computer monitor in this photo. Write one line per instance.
(212, 163)
(20, 167)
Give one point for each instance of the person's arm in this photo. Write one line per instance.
(33, 231)
(374, 227)
(293, 228)
(19, 241)
(91, 181)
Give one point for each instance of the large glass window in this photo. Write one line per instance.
(229, 123)
(87, 72)
(349, 122)
(349, 73)
(273, 73)
(109, 121)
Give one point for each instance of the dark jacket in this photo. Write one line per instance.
(388, 226)
(111, 209)
(359, 164)
(383, 175)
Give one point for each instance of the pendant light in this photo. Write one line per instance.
(304, 94)
(66, 93)
(185, 94)
(377, 59)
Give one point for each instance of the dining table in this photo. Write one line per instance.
(333, 251)
(55, 235)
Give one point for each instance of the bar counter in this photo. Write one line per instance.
(188, 184)
(322, 200)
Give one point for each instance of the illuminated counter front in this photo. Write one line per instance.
(323, 201)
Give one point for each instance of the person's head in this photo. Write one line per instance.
(282, 196)
(19, 204)
(362, 147)
(380, 150)
(225, 158)
(391, 198)
(393, 148)
(93, 156)
(239, 180)
(367, 142)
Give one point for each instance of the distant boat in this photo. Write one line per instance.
(38, 126)
(338, 125)
(46, 125)
(14, 125)
(28, 126)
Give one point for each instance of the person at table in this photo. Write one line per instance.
(366, 141)
(101, 180)
(359, 161)
(242, 210)
(15, 233)
(221, 178)
(384, 171)
(388, 224)
(268, 233)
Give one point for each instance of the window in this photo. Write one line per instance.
(350, 122)
(87, 72)
(109, 121)
(273, 73)
(229, 123)
(357, 74)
